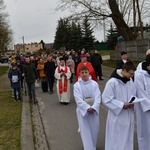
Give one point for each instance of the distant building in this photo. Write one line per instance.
(48, 45)
(25, 48)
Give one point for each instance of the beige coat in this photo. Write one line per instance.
(70, 63)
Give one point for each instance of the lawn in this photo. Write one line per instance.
(10, 119)
(103, 52)
(3, 70)
(112, 63)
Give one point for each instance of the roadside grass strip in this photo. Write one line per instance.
(10, 122)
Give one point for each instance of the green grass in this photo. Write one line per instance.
(10, 122)
(3, 70)
(112, 63)
(103, 52)
(10, 119)
(106, 52)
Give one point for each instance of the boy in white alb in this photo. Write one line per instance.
(120, 119)
(87, 97)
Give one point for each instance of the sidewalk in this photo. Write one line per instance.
(32, 130)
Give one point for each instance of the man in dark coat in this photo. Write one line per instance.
(96, 61)
(49, 70)
(123, 60)
(77, 60)
(30, 74)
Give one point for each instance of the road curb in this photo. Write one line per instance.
(39, 132)
(27, 142)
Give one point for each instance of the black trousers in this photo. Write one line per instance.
(51, 82)
(98, 70)
(71, 78)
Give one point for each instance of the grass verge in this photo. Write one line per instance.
(105, 52)
(10, 118)
(3, 70)
(112, 63)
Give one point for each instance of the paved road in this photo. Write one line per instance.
(60, 122)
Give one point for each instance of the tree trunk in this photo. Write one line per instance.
(140, 20)
(122, 27)
(134, 17)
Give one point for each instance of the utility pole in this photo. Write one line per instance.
(23, 44)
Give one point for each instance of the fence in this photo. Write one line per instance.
(136, 49)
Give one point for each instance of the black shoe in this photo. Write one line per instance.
(30, 100)
(66, 103)
(35, 102)
(101, 79)
(51, 92)
(19, 100)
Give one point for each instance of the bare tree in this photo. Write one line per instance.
(120, 11)
(5, 30)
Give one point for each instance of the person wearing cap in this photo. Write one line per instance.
(142, 82)
(116, 97)
(123, 60)
(63, 74)
(84, 62)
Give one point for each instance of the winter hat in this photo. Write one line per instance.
(123, 53)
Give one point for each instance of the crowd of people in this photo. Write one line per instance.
(126, 92)
(29, 69)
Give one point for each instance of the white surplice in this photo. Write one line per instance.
(65, 96)
(88, 123)
(139, 66)
(142, 81)
(120, 122)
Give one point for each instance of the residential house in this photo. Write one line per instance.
(25, 48)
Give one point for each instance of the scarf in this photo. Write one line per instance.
(63, 88)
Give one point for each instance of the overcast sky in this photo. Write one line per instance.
(36, 20)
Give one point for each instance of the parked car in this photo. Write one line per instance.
(4, 59)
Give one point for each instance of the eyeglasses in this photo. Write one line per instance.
(131, 74)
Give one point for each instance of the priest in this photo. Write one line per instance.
(84, 62)
(63, 74)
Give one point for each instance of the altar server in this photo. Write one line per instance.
(120, 120)
(87, 97)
